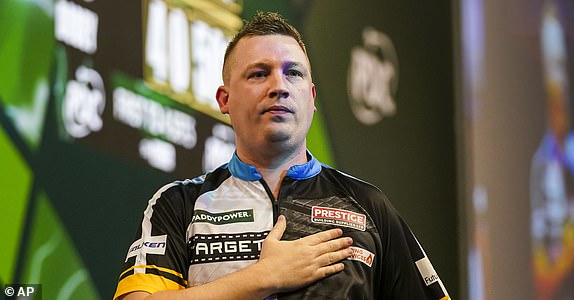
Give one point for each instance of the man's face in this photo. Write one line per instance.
(269, 93)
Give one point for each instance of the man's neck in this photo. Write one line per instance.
(273, 167)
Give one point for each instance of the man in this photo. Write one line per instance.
(273, 222)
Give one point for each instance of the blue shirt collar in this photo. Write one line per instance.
(248, 172)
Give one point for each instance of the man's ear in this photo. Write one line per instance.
(222, 97)
(314, 93)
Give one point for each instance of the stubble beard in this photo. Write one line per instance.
(280, 139)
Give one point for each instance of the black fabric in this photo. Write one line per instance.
(361, 210)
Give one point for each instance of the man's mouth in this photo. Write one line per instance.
(278, 109)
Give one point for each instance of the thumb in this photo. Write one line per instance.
(277, 231)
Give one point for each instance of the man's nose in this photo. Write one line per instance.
(278, 87)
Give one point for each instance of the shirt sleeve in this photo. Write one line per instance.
(157, 259)
(407, 270)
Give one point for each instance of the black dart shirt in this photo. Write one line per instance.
(196, 231)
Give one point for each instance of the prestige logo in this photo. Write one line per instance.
(340, 217)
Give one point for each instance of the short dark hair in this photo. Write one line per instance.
(263, 24)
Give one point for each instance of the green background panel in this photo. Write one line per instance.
(27, 28)
(318, 140)
(15, 182)
(52, 260)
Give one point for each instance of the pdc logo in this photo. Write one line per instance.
(373, 77)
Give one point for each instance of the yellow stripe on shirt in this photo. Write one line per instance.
(166, 270)
(150, 283)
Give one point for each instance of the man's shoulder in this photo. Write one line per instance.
(197, 185)
(365, 193)
(350, 181)
(372, 200)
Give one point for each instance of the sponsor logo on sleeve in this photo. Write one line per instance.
(148, 245)
(427, 271)
(340, 217)
(222, 218)
(362, 255)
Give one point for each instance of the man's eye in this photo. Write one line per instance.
(258, 74)
(294, 73)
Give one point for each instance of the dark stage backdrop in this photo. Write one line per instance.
(102, 102)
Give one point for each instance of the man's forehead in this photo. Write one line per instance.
(244, 52)
(271, 45)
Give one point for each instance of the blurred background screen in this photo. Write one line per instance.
(517, 84)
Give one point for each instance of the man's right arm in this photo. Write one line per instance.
(282, 266)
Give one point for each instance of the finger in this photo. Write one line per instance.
(277, 231)
(332, 258)
(330, 270)
(323, 236)
(335, 245)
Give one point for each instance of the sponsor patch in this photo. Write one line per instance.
(151, 245)
(222, 218)
(340, 217)
(427, 271)
(362, 255)
(207, 248)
